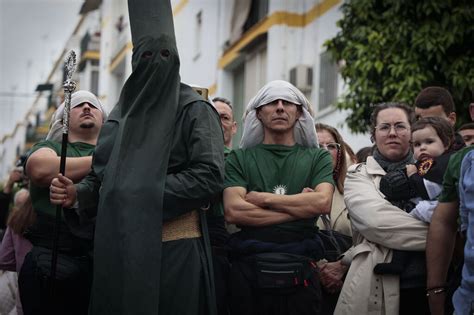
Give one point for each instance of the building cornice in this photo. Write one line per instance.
(275, 19)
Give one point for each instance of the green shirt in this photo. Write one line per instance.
(450, 190)
(40, 195)
(281, 170)
(227, 151)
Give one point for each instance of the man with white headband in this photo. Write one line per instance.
(276, 186)
(85, 121)
(77, 98)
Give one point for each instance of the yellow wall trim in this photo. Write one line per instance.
(120, 56)
(276, 18)
(11, 135)
(180, 6)
(104, 22)
(212, 89)
(91, 55)
(42, 130)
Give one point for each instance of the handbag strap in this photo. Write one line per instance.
(326, 221)
(327, 225)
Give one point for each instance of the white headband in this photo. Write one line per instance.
(77, 98)
(305, 133)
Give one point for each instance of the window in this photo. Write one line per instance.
(248, 78)
(198, 35)
(327, 81)
(258, 11)
(255, 71)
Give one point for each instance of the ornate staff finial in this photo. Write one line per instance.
(70, 64)
(69, 86)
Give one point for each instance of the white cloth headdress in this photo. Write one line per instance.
(305, 132)
(77, 98)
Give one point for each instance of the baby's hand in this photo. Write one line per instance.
(411, 169)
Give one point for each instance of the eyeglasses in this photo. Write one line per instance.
(330, 146)
(400, 128)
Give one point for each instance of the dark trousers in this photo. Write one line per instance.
(70, 297)
(221, 265)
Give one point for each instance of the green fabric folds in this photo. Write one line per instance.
(159, 155)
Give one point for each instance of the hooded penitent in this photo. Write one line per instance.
(131, 161)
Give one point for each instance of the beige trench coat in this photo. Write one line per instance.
(377, 227)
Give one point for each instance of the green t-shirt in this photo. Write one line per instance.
(281, 170)
(40, 195)
(450, 190)
(227, 151)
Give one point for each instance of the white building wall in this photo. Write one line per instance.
(10, 148)
(112, 41)
(198, 46)
(105, 51)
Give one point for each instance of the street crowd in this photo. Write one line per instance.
(161, 214)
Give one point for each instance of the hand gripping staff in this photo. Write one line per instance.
(69, 86)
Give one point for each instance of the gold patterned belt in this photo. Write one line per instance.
(182, 227)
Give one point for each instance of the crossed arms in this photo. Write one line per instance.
(262, 208)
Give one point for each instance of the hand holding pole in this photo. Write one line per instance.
(69, 87)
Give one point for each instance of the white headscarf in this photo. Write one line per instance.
(305, 132)
(77, 98)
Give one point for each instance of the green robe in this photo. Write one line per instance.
(158, 156)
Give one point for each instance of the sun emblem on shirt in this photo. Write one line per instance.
(279, 190)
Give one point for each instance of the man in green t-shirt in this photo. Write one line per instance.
(276, 185)
(42, 165)
(442, 232)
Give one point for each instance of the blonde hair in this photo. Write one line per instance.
(340, 168)
(22, 214)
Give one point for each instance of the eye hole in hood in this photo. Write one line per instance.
(147, 54)
(165, 53)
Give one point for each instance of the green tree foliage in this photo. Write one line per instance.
(391, 49)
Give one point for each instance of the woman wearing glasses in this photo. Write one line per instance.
(330, 139)
(379, 226)
(338, 220)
